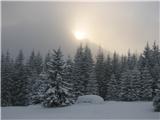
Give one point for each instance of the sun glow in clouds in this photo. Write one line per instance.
(80, 35)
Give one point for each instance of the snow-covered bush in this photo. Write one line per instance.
(90, 99)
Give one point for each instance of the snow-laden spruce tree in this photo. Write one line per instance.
(83, 72)
(57, 93)
(130, 85)
(108, 74)
(116, 70)
(46, 60)
(112, 88)
(90, 82)
(34, 68)
(156, 100)
(100, 73)
(78, 72)
(31, 64)
(124, 63)
(150, 58)
(38, 63)
(68, 77)
(35, 63)
(20, 83)
(92, 86)
(146, 84)
(126, 86)
(39, 88)
(131, 60)
(155, 68)
(135, 83)
(7, 72)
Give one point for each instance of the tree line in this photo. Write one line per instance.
(54, 81)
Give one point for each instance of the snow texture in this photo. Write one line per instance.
(94, 99)
(107, 110)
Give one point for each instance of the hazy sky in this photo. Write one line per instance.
(46, 25)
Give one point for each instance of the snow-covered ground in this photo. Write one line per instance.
(106, 110)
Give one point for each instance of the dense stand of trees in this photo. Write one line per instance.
(57, 82)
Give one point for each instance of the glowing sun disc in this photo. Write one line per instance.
(80, 35)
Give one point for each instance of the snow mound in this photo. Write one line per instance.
(94, 99)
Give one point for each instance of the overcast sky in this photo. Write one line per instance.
(45, 25)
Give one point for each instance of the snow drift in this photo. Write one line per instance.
(107, 110)
(90, 99)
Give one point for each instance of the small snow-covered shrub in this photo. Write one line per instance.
(90, 99)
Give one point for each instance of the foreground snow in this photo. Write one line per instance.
(106, 110)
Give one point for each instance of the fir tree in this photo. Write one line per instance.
(100, 75)
(38, 63)
(39, 88)
(31, 63)
(57, 93)
(124, 64)
(116, 70)
(112, 88)
(83, 72)
(68, 77)
(6, 79)
(92, 87)
(146, 84)
(135, 83)
(108, 74)
(130, 85)
(126, 86)
(89, 78)
(47, 59)
(20, 92)
(155, 68)
(156, 100)
(78, 72)
(34, 68)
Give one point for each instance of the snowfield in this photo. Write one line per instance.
(106, 110)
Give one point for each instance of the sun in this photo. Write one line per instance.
(80, 35)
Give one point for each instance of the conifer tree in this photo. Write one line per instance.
(135, 83)
(124, 64)
(146, 84)
(155, 68)
(126, 86)
(39, 88)
(38, 63)
(156, 100)
(92, 86)
(78, 72)
(112, 88)
(20, 82)
(88, 71)
(100, 75)
(7, 69)
(116, 70)
(46, 60)
(68, 77)
(108, 75)
(57, 93)
(130, 85)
